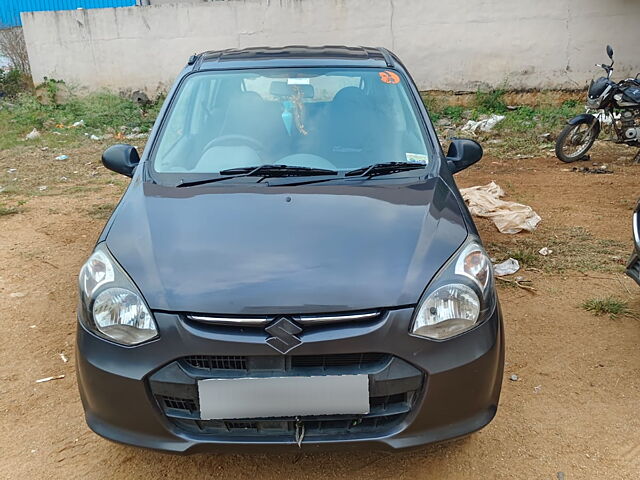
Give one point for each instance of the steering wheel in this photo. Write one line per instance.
(241, 139)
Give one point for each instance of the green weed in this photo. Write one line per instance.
(454, 113)
(606, 306)
(491, 101)
(4, 211)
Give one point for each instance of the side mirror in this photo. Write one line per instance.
(463, 153)
(121, 159)
(610, 52)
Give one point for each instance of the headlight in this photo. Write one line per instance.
(111, 305)
(593, 102)
(459, 297)
(636, 233)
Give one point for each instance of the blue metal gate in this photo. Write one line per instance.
(10, 9)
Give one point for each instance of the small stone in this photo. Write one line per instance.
(17, 294)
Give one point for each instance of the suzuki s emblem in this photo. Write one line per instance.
(283, 335)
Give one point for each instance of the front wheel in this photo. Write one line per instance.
(576, 139)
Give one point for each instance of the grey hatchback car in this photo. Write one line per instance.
(291, 266)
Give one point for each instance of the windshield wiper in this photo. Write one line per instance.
(262, 171)
(384, 169)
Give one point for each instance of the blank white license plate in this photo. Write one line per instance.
(230, 398)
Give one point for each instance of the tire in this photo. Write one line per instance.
(566, 136)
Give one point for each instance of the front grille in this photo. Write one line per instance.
(394, 386)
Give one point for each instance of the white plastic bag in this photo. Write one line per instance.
(485, 125)
(508, 217)
(508, 267)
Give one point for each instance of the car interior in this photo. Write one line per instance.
(337, 121)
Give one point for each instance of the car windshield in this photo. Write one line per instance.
(319, 118)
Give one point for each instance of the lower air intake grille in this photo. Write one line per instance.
(340, 360)
(353, 360)
(209, 362)
(186, 404)
(394, 387)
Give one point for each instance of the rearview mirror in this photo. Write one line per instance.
(463, 153)
(121, 159)
(610, 52)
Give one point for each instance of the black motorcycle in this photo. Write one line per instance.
(608, 103)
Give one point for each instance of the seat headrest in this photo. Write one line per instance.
(350, 94)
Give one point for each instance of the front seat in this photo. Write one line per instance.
(250, 116)
(352, 129)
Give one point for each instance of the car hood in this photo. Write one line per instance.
(285, 249)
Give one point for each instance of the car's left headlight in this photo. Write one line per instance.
(460, 296)
(112, 307)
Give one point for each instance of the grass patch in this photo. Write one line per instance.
(455, 113)
(101, 112)
(101, 212)
(527, 257)
(606, 306)
(522, 130)
(5, 211)
(573, 248)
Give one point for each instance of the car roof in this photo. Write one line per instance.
(292, 56)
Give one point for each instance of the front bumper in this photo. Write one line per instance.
(633, 267)
(452, 387)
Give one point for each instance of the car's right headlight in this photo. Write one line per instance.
(460, 296)
(112, 306)
(635, 226)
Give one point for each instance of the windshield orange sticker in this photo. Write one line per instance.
(389, 77)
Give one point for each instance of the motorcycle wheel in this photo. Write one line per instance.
(575, 140)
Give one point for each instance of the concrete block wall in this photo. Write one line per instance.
(447, 45)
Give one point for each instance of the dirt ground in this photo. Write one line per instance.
(572, 413)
